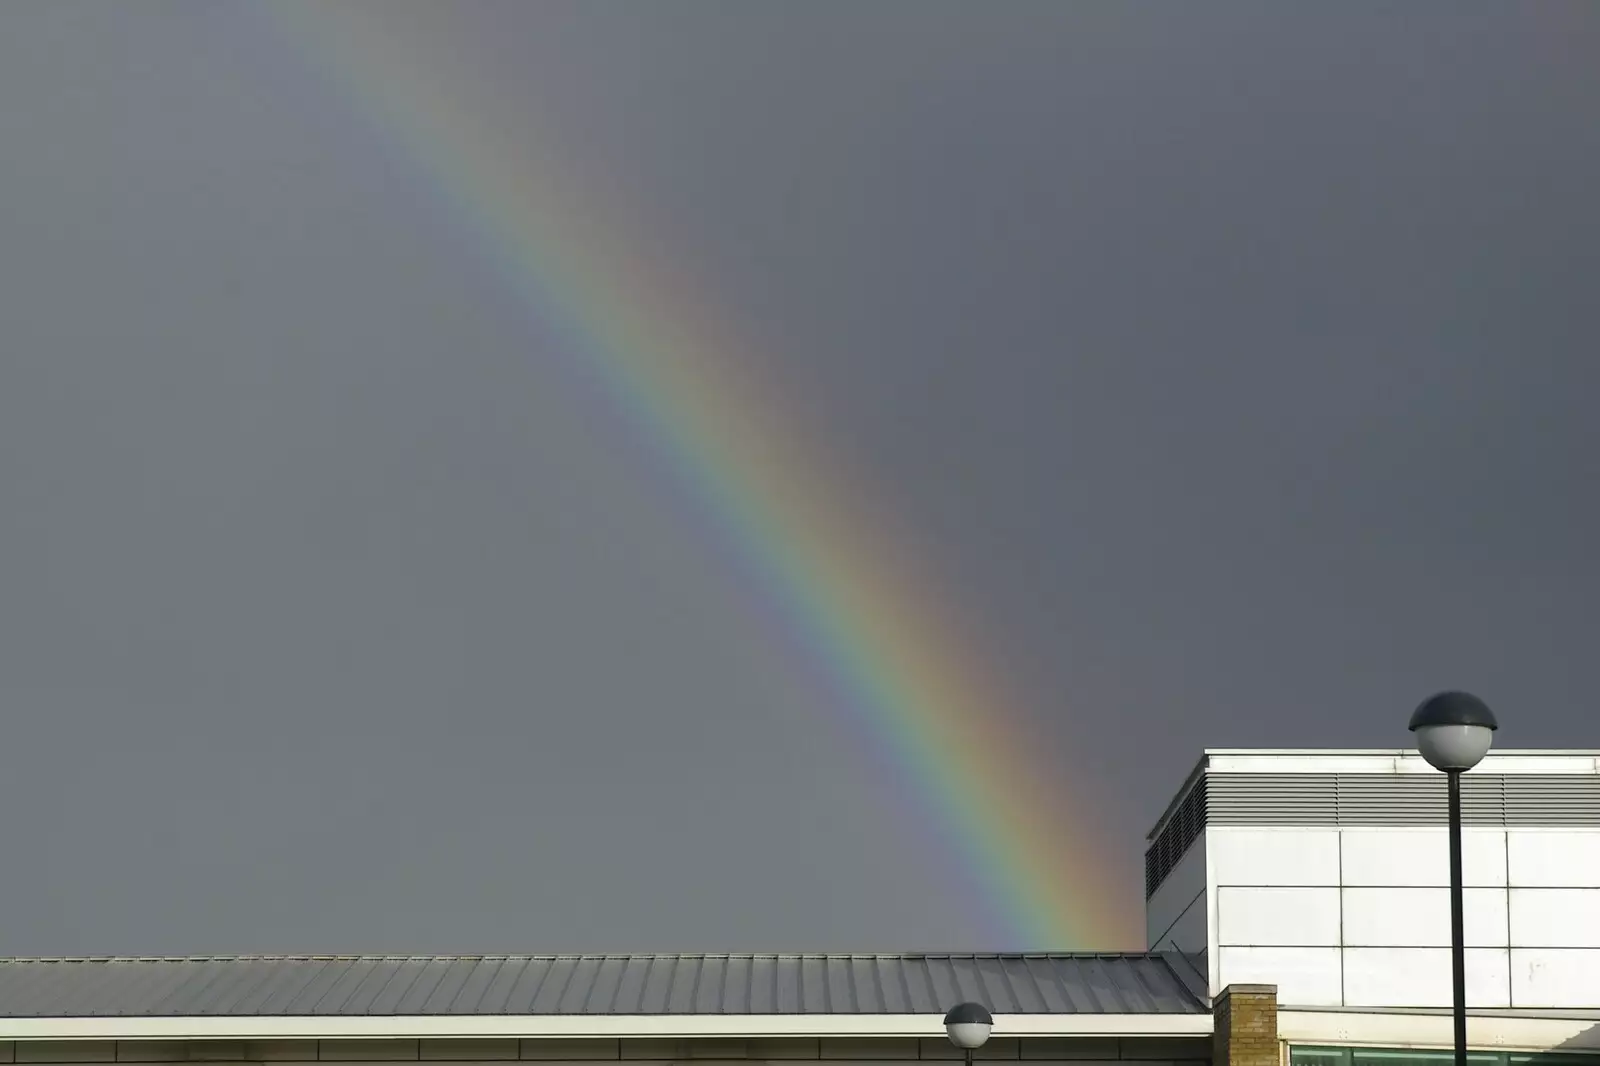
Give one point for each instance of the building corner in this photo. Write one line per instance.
(1245, 1026)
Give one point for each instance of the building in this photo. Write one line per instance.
(1294, 912)
(1327, 874)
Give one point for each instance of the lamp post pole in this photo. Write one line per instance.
(1454, 731)
(1458, 922)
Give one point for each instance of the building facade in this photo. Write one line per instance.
(1327, 874)
(1297, 912)
(641, 1009)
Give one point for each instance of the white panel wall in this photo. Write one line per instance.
(1361, 916)
(1278, 917)
(1306, 977)
(1274, 911)
(1263, 857)
(1554, 858)
(1555, 917)
(1420, 977)
(1240, 858)
(1420, 917)
(1555, 977)
(1421, 857)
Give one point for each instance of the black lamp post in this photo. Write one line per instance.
(1454, 731)
(967, 1025)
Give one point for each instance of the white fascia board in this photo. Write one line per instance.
(1436, 1030)
(1411, 752)
(1391, 762)
(611, 1026)
(1317, 763)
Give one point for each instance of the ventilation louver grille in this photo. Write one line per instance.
(1183, 829)
(1505, 800)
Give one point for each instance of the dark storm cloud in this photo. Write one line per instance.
(1231, 364)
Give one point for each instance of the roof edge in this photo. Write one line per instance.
(1178, 797)
(566, 956)
(413, 1027)
(1410, 753)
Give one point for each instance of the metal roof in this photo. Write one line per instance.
(355, 986)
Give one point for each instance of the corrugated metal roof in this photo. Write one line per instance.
(349, 986)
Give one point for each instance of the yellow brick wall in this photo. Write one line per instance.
(1246, 1031)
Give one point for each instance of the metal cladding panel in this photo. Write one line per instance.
(1508, 800)
(601, 997)
(591, 985)
(315, 991)
(942, 984)
(1027, 994)
(921, 998)
(1052, 995)
(451, 987)
(430, 975)
(1273, 799)
(355, 989)
(215, 995)
(1550, 800)
(1170, 845)
(1393, 799)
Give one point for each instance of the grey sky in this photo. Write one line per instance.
(1233, 366)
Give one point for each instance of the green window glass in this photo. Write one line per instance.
(1364, 1056)
(1368, 1056)
(1319, 1056)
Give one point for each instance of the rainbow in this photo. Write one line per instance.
(671, 366)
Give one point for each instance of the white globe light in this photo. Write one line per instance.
(1454, 730)
(1454, 747)
(968, 1035)
(967, 1025)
